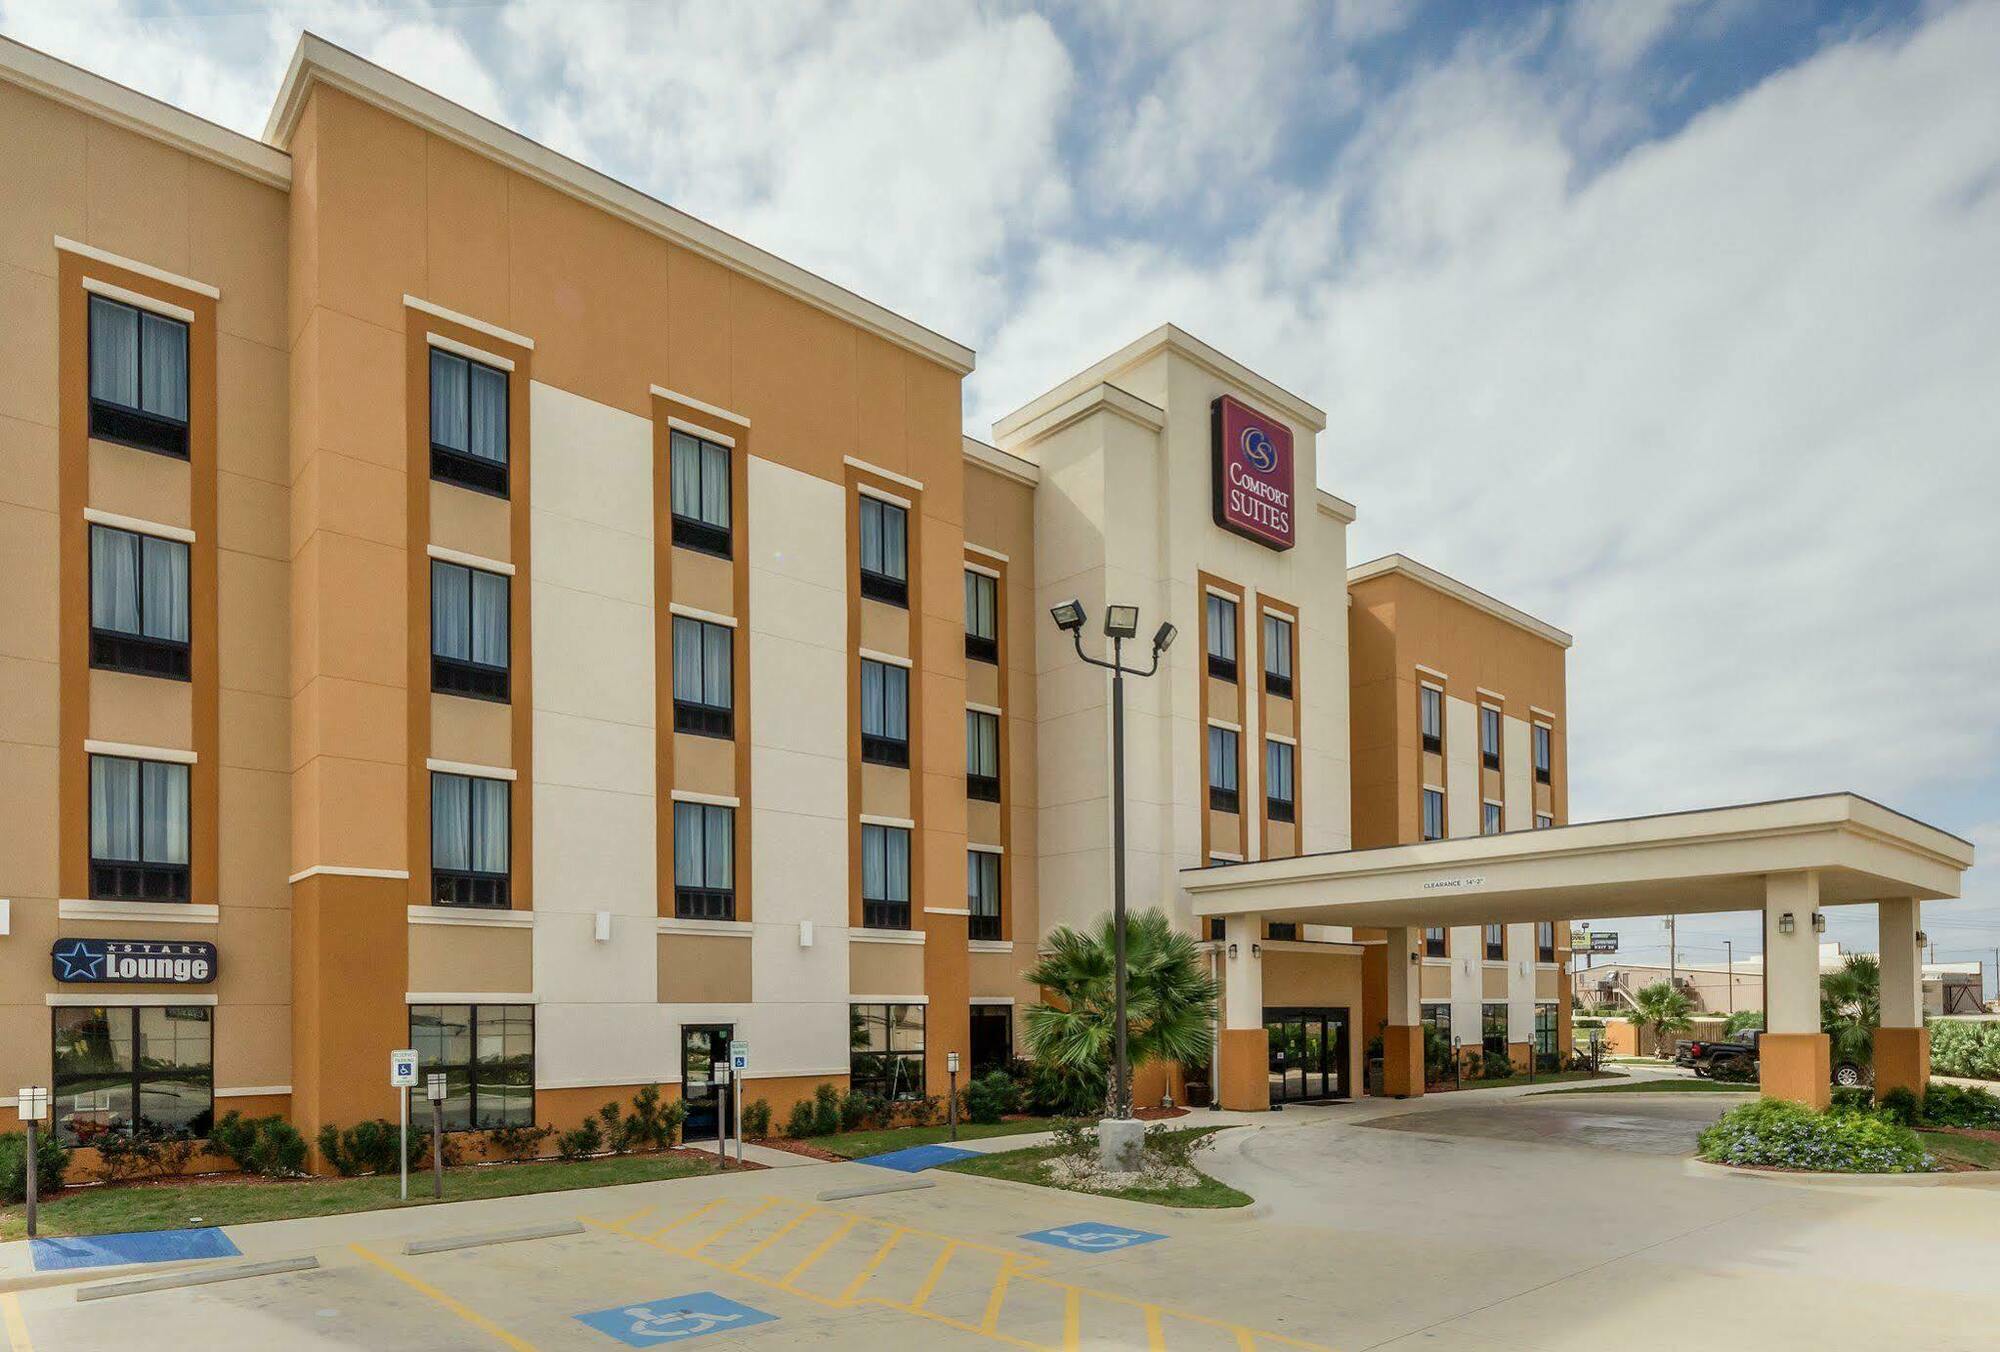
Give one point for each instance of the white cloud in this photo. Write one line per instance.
(1614, 34)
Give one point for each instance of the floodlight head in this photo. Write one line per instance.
(1121, 621)
(1163, 637)
(1069, 616)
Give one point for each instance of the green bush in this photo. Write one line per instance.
(516, 1141)
(992, 1097)
(365, 1148)
(1056, 1090)
(1775, 1134)
(1951, 1105)
(269, 1146)
(1900, 1106)
(420, 1150)
(1968, 1050)
(756, 1120)
(653, 1122)
(1741, 1022)
(1854, 1100)
(1496, 1066)
(585, 1140)
(1740, 1070)
(826, 1110)
(801, 1121)
(857, 1108)
(1437, 1054)
(51, 1166)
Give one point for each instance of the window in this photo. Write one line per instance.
(469, 617)
(468, 423)
(1280, 803)
(1222, 769)
(704, 672)
(1543, 734)
(1493, 1029)
(982, 756)
(1283, 929)
(471, 841)
(138, 603)
(1545, 941)
(1543, 821)
(699, 494)
(116, 1068)
(1489, 819)
(138, 378)
(982, 894)
(1430, 711)
(982, 631)
(992, 1038)
(1433, 826)
(885, 877)
(138, 829)
(1489, 737)
(885, 713)
(1278, 656)
(1438, 1016)
(704, 861)
(486, 1054)
(886, 1051)
(1218, 928)
(1435, 942)
(1545, 1031)
(1221, 637)
(885, 561)
(1496, 943)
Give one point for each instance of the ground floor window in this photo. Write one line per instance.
(886, 1050)
(152, 1066)
(487, 1056)
(992, 1038)
(1438, 1016)
(1545, 1030)
(1493, 1028)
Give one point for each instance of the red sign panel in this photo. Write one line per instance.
(1253, 473)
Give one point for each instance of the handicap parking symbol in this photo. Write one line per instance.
(1089, 1237)
(674, 1319)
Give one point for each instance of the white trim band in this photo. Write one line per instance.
(132, 523)
(450, 767)
(1226, 725)
(469, 352)
(138, 299)
(1210, 589)
(993, 709)
(254, 1091)
(859, 935)
(473, 916)
(991, 999)
(736, 929)
(988, 553)
(1281, 737)
(890, 659)
(888, 999)
(712, 799)
(344, 871)
(175, 755)
(155, 912)
(691, 402)
(948, 910)
(467, 321)
(981, 847)
(904, 823)
(1432, 671)
(982, 570)
(470, 998)
(905, 480)
(882, 495)
(122, 1000)
(464, 560)
(705, 616)
(143, 269)
(704, 433)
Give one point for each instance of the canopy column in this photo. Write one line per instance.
(1902, 1043)
(1403, 1034)
(1792, 1053)
(1244, 1077)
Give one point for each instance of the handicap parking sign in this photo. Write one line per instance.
(674, 1319)
(1089, 1237)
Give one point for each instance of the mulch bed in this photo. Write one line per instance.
(1158, 1114)
(683, 1152)
(811, 1152)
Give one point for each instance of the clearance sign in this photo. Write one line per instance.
(1253, 473)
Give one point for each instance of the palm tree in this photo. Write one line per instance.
(1169, 998)
(1665, 1010)
(1850, 1006)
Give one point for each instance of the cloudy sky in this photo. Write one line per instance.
(1675, 323)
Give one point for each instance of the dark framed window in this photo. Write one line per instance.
(471, 841)
(1489, 737)
(1496, 943)
(1222, 769)
(120, 1067)
(1430, 716)
(1493, 1028)
(1221, 628)
(1280, 791)
(1543, 821)
(1282, 929)
(698, 493)
(1218, 929)
(704, 678)
(885, 555)
(982, 617)
(138, 378)
(468, 423)
(1490, 819)
(886, 1051)
(1543, 734)
(885, 877)
(885, 713)
(982, 756)
(1545, 1030)
(992, 1038)
(1545, 941)
(1436, 942)
(982, 894)
(1433, 824)
(138, 603)
(487, 1056)
(1278, 656)
(704, 861)
(469, 624)
(1438, 1016)
(138, 829)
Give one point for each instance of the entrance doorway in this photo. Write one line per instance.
(1309, 1053)
(703, 1044)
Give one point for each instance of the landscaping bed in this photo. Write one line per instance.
(859, 1145)
(1170, 1178)
(1514, 1081)
(1657, 1087)
(1944, 1129)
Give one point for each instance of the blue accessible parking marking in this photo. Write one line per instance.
(674, 1319)
(152, 1246)
(1090, 1237)
(918, 1158)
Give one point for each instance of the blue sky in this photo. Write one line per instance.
(1671, 322)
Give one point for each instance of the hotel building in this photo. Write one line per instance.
(458, 602)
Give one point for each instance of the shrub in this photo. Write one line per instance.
(586, 1140)
(1495, 1066)
(1741, 1022)
(616, 1133)
(1437, 1054)
(368, 1147)
(270, 1146)
(801, 1121)
(756, 1120)
(923, 1111)
(1739, 1070)
(1900, 1106)
(826, 1110)
(1056, 1090)
(1854, 1100)
(420, 1150)
(992, 1097)
(1782, 1135)
(1176, 1147)
(857, 1108)
(519, 1142)
(1970, 1050)
(654, 1122)
(1075, 1137)
(122, 1155)
(51, 1166)
(176, 1151)
(1951, 1105)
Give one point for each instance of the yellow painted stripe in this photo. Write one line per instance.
(694, 1215)
(1073, 1319)
(997, 1299)
(840, 1233)
(1156, 1336)
(752, 1214)
(763, 1244)
(15, 1324)
(465, 1312)
(868, 1270)
(1246, 1341)
(931, 1278)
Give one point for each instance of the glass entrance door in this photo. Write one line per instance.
(1309, 1053)
(702, 1045)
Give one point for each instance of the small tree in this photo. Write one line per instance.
(1850, 1007)
(1743, 1021)
(1665, 1010)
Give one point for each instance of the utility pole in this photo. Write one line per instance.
(1673, 953)
(1729, 950)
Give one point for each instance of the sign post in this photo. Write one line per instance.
(951, 1103)
(402, 1076)
(34, 1107)
(718, 1081)
(435, 1087)
(739, 1061)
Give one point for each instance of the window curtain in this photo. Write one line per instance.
(114, 580)
(114, 352)
(488, 414)
(1278, 770)
(687, 662)
(982, 882)
(982, 743)
(874, 862)
(885, 700)
(979, 605)
(1277, 646)
(687, 845)
(448, 400)
(163, 367)
(489, 618)
(1221, 758)
(451, 611)
(1222, 628)
(715, 666)
(489, 825)
(895, 555)
(715, 484)
(883, 545)
(164, 588)
(719, 846)
(163, 799)
(451, 822)
(898, 851)
(114, 808)
(686, 476)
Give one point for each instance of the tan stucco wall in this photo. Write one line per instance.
(471, 958)
(704, 969)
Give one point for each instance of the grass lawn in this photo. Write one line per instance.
(96, 1211)
(1550, 1077)
(1024, 1166)
(859, 1145)
(1964, 1150)
(1659, 1087)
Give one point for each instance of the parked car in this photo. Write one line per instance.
(1704, 1057)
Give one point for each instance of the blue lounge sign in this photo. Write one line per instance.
(96, 961)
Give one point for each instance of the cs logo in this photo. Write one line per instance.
(1259, 451)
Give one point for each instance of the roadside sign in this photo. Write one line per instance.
(674, 1319)
(1090, 1237)
(1604, 941)
(403, 1069)
(739, 1056)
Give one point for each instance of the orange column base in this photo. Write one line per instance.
(1902, 1059)
(1521, 1055)
(1402, 1061)
(1796, 1066)
(1246, 1070)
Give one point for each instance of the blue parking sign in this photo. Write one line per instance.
(674, 1319)
(1091, 1237)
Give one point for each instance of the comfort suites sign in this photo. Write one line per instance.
(1253, 473)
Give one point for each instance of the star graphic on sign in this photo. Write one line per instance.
(79, 963)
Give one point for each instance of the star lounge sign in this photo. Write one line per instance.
(97, 961)
(1253, 473)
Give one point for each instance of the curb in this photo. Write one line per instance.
(41, 1281)
(447, 1243)
(1988, 1178)
(168, 1281)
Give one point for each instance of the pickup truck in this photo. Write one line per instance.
(1705, 1057)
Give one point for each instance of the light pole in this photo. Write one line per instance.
(1120, 623)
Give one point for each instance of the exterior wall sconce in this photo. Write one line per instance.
(1786, 924)
(1819, 922)
(1922, 938)
(1232, 952)
(1414, 959)
(1256, 950)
